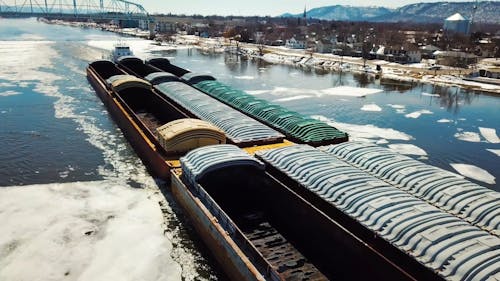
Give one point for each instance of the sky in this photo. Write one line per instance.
(258, 7)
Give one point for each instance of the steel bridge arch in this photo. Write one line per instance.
(99, 9)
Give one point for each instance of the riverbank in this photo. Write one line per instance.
(412, 73)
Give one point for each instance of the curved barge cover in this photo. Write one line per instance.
(238, 127)
(445, 244)
(448, 191)
(296, 126)
(122, 82)
(156, 78)
(196, 163)
(183, 135)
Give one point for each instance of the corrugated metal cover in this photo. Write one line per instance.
(156, 78)
(294, 125)
(442, 242)
(121, 82)
(473, 203)
(196, 163)
(238, 127)
(183, 135)
(129, 58)
(193, 78)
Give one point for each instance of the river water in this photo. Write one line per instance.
(54, 129)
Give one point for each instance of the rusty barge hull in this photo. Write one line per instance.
(145, 149)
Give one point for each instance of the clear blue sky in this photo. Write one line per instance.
(257, 7)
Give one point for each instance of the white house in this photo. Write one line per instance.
(293, 43)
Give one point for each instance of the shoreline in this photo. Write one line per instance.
(412, 73)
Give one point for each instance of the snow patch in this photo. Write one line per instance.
(489, 134)
(407, 149)
(417, 114)
(468, 136)
(83, 231)
(371, 107)
(474, 172)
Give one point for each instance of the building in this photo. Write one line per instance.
(457, 24)
(455, 58)
(296, 43)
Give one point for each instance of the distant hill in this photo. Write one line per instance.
(487, 11)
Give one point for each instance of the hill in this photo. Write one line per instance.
(487, 12)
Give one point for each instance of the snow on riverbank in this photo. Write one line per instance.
(83, 231)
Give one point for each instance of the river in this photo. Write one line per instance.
(55, 130)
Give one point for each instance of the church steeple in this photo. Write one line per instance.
(305, 15)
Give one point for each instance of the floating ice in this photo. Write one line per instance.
(299, 97)
(417, 114)
(258, 92)
(83, 231)
(350, 91)
(9, 93)
(474, 172)
(371, 107)
(444, 120)
(396, 106)
(244, 77)
(489, 134)
(468, 136)
(495, 151)
(407, 149)
(366, 131)
(430, 95)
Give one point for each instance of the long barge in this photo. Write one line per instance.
(269, 216)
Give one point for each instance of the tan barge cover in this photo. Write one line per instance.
(186, 134)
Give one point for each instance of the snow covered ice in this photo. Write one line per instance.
(83, 231)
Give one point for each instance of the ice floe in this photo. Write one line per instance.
(350, 91)
(9, 93)
(396, 106)
(444, 120)
(468, 136)
(408, 149)
(83, 231)
(244, 77)
(474, 172)
(489, 134)
(371, 107)
(336, 91)
(495, 151)
(417, 114)
(366, 131)
(430, 95)
(299, 97)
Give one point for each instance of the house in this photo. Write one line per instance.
(324, 46)
(295, 43)
(455, 58)
(427, 51)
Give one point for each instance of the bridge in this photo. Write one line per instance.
(75, 9)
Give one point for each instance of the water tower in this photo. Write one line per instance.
(457, 24)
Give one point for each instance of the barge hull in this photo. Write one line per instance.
(231, 258)
(146, 150)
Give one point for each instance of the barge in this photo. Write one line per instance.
(270, 209)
